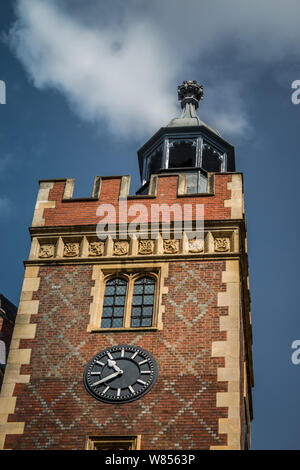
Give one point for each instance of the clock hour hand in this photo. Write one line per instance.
(113, 364)
(108, 377)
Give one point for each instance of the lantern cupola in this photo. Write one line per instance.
(186, 145)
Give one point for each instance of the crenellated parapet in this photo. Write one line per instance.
(55, 205)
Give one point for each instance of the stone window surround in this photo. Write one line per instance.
(131, 278)
(101, 273)
(113, 442)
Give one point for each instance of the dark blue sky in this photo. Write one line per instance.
(45, 134)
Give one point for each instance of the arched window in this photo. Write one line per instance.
(142, 301)
(130, 301)
(114, 303)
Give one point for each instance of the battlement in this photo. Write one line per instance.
(55, 205)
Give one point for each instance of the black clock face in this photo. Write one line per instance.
(120, 374)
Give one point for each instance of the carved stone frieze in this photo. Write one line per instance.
(121, 248)
(171, 246)
(196, 245)
(146, 247)
(88, 246)
(46, 251)
(222, 244)
(96, 248)
(71, 249)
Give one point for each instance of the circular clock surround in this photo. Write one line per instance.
(120, 374)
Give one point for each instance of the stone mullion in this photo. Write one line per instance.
(128, 302)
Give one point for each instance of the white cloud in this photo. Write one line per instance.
(118, 63)
(224, 108)
(127, 87)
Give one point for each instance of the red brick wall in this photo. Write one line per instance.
(84, 212)
(180, 410)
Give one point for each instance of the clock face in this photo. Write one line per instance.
(120, 374)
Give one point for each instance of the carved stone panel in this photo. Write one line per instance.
(171, 246)
(46, 251)
(222, 244)
(96, 248)
(121, 248)
(71, 249)
(146, 247)
(196, 245)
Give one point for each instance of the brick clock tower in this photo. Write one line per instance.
(132, 333)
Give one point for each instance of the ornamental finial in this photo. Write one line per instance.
(190, 92)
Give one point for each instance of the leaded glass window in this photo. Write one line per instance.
(128, 301)
(114, 303)
(142, 302)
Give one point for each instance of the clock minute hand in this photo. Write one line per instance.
(108, 377)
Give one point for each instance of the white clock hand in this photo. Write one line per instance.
(111, 363)
(108, 377)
